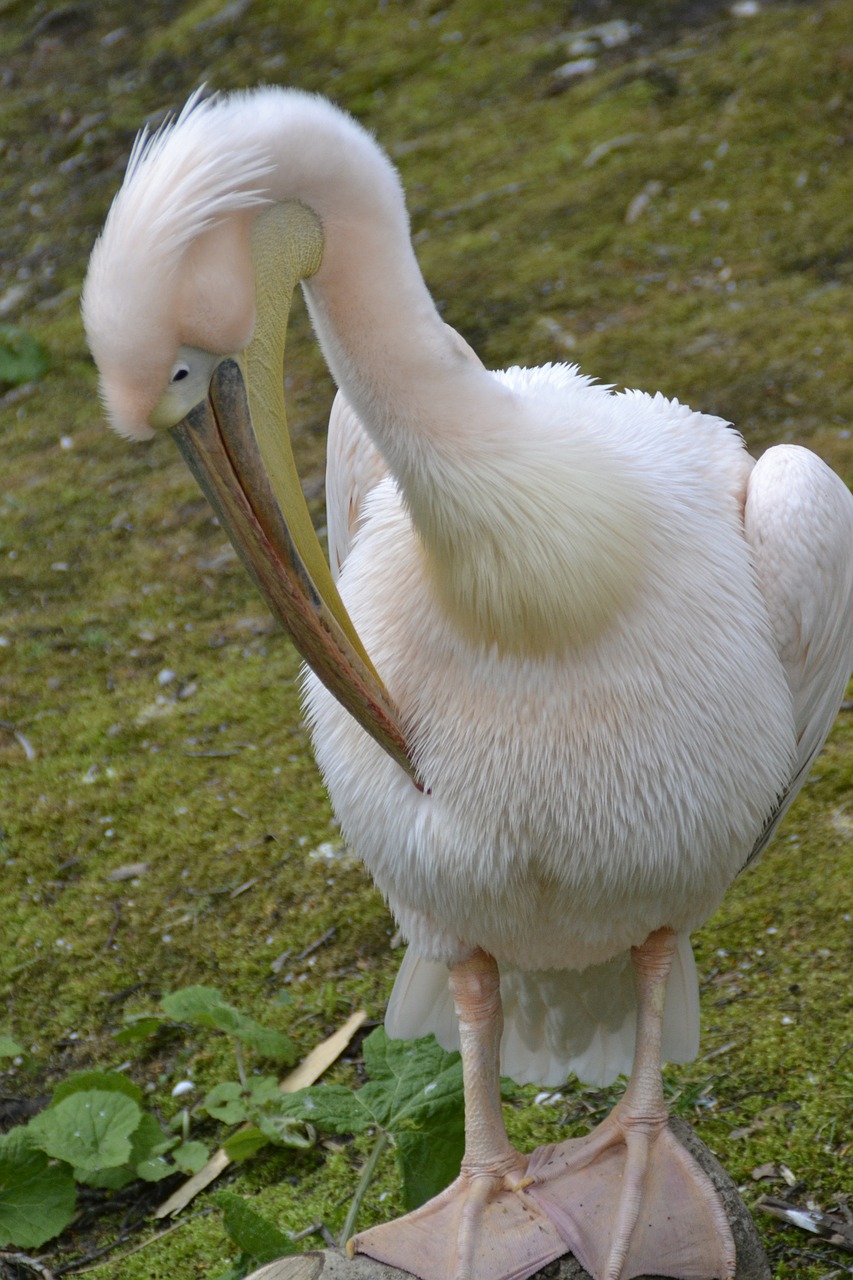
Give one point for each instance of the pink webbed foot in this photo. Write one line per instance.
(629, 1201)
(483, 1227)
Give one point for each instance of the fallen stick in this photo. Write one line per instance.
(828, 1226)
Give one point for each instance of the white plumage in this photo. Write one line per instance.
(662, 716)
(616, 642)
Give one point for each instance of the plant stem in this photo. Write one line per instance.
(241, 1069)
(24, 1260)
(361, 1190)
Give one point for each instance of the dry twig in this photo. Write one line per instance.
(29, 1264)
(24, 743)
(828, 1226)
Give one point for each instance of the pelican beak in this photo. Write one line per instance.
(237, 446)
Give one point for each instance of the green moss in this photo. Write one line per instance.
(727, 285)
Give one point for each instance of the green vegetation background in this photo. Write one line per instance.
(677, 218)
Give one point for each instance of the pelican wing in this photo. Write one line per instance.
(354, 466)
(798, 520)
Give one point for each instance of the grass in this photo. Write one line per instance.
(728, 286)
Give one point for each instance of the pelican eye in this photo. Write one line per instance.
(179, 371)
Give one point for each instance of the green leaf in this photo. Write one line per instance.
(196, 1005)
(286, 1131)
(138, 1027)
(168, 1144)
(254, 1234)
(149, 1145)
(225, 1102)
(410, 1065)
(191, 1156)
(146, 1141)
(416, 1093)
(90, 1130)
(408, 1078)
(331, 1107)
(37, 1199)
(429, 1154)
(267, 1042)
(245, 1143)
(22, 357)
(10, 1048)
(204, 1007)
(262, 1090)
(149, 1141)
(154, 1169)
(106, 1179)
(109, 1081)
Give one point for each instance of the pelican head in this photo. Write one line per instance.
(185, 307)
(172, 268)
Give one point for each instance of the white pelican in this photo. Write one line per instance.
(608, 643)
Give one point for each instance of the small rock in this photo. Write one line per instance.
(576, 68)
(641, 202)
(130, 871)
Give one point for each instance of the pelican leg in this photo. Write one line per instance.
(628, 1199)
(484, 1226)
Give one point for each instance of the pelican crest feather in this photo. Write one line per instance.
(184, 207)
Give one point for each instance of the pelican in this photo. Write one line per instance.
(579, 655)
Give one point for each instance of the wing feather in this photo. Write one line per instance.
(555, 1022)
(798, 520)
(353, 467)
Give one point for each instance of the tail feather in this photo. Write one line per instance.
(555, 1022)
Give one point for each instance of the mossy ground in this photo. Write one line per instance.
(728, 284)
